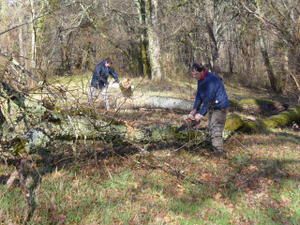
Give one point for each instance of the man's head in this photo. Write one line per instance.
(108, 62)
(198, 71)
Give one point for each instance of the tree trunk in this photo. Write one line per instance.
(33, 35)
(276, 87)
(210, 28)
(153, 38)
(294, 68)
(22, 50)
(144, 58)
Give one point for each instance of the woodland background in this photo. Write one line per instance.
(255, 42)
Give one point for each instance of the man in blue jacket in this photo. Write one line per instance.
(211, 98)
(99, 82)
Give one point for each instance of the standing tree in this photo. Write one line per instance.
(153, 37)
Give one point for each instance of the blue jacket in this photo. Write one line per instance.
(100, 75)
(211, 94)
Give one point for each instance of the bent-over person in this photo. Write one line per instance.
(211, 98)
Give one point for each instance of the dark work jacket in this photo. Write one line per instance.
(211, 94)
(101, 74)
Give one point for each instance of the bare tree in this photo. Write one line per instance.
(153, 37)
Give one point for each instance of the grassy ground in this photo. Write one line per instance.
(257, 183)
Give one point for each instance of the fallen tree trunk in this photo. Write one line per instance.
(155, 102)
(235, 122)
(283, 119)
(251, 105)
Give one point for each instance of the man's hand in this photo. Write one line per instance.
(193, 112)
(198, 117)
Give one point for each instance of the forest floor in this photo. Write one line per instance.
(258, 182)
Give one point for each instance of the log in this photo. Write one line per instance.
(235, 122)
(284, 119)
(154, 102)
(249, 105)
(261, 106)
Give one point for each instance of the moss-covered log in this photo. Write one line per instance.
(235, 122)
(284, 118)
(261, 106)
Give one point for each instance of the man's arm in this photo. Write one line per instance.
(208, 97)
(198, 101)
(114, 74)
